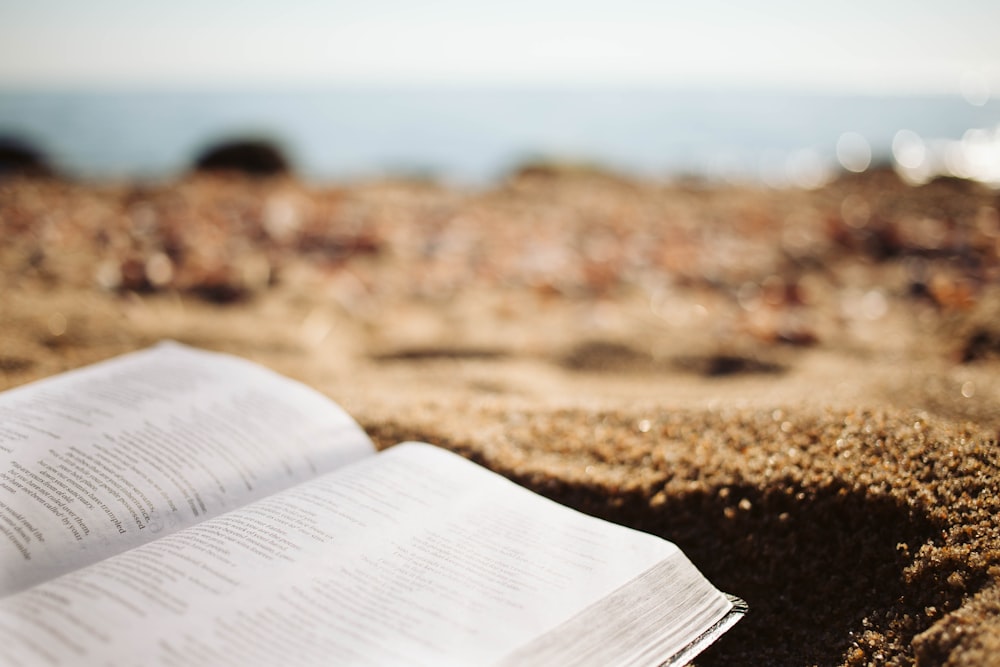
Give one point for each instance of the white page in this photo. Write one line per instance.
(415, 556)
(105, 458)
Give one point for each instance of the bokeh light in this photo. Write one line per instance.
(854, 152)
(911, 156)
(908, 149)
(807, 169)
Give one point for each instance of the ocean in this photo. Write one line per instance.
(472, 135)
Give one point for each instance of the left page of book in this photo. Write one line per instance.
(102, 459)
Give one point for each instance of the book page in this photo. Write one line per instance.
(102, 459)
(415, 556)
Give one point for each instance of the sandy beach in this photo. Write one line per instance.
(801, 388)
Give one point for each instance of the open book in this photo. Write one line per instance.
(181, 507)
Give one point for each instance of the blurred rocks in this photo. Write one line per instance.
(19, 157)
(790, 268)
(254, 157)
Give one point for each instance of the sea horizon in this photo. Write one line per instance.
(476, 134)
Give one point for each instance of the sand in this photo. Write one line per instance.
(800, 388)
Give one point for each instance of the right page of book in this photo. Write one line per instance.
(415, 556)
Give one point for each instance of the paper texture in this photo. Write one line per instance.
(179, 507)
(415, 556)
(108, 457)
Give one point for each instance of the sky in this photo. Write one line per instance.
(851, 46)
